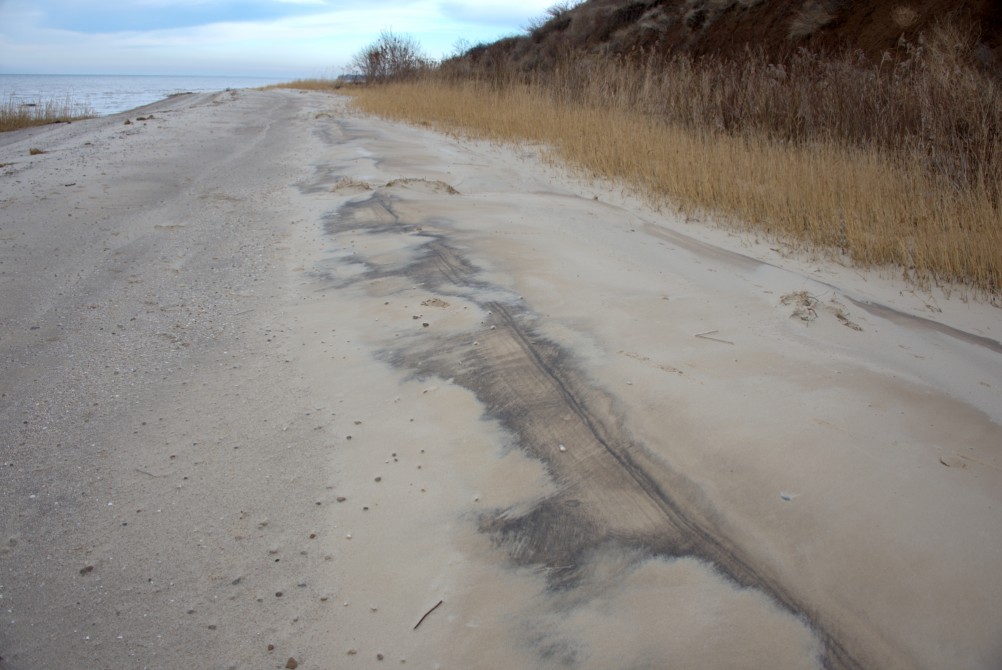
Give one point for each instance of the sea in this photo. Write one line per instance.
(109, 94)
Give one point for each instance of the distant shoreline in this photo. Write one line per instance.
(106, 95)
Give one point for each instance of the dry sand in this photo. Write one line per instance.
(278, 380)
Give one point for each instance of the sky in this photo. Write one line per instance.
(262, 38)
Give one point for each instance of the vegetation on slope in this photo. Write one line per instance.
(888, 161)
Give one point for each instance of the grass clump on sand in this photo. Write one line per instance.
(16, 114)
(314, 84)
(898, 163)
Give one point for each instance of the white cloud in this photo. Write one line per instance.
(315, 36)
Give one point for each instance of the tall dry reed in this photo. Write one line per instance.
(311, 84)
(16, 114)
(892, 164)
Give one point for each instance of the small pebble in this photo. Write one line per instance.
(291, 664)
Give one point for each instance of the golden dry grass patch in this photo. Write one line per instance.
(16, 114)
(860, 182)
(309, 84)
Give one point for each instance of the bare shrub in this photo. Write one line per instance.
(391, 57)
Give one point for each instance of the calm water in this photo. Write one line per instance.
(108, 94)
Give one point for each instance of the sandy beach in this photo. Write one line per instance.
(284, 386)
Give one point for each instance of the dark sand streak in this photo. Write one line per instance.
(612, 492)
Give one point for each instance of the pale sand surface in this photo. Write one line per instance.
(277, 379)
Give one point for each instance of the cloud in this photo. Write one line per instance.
(105, 17)
(258, 37)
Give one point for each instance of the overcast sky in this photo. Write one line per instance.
(280, 38)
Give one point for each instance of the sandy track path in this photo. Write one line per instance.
(279, 380)
(148, 408)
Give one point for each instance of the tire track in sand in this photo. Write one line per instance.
(611, 491)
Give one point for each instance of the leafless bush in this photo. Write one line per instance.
(391, 57)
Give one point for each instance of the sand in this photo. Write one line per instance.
(284, 386)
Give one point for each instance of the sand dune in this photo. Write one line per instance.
(284, 386)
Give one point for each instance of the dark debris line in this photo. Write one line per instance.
(611, 491)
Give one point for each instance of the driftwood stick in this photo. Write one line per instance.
(705, 336)
(421, 620)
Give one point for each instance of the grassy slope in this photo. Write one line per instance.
(887, 157)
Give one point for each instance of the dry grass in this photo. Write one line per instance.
(893, 165)
(16, 114)
(315, 84)
(815, 14)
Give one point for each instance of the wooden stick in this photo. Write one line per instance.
(703, 336)
(421, 620)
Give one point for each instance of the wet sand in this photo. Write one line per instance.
(285, 386)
